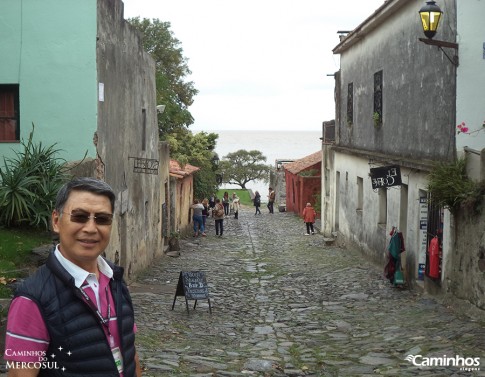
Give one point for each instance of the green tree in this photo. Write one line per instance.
(198, 150)
(172, 69)
(177, 95)
(243, 166)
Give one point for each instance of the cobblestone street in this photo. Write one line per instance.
(285, 304)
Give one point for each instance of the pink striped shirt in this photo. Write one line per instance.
(27, 337)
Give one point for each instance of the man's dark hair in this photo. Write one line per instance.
(91, 185)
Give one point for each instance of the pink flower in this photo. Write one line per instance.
(464, 129)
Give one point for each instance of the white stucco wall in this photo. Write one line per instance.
(361, 226)
(470, 100)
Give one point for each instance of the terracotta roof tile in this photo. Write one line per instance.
(177, 171)
(297, 166)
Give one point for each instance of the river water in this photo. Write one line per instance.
(282, 145)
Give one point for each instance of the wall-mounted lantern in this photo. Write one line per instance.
(430, 15)
(430, 18)
(215, 160)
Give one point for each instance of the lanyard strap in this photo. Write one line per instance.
(104, 321)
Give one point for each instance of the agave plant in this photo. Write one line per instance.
(29, 183)
(16, 197)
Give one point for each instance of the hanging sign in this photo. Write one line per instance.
(385, 176)
(192, 285)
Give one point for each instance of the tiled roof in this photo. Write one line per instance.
(177, 171)
(297, 166)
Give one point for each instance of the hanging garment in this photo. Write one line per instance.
(393, 270)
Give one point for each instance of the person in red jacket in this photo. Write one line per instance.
(309, 215)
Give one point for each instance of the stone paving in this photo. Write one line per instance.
(286, 304)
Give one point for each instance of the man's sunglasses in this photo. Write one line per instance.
(83, 217)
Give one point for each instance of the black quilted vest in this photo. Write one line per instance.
(75, 327)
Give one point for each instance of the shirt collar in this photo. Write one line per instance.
(79, 274)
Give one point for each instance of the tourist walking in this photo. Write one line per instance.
(271, 198)
(225, 203)
(77, 301)
(212, 201)
(235, 205)
(205, 211)
(197, 218)
(257, 202)
(219, 217)
(309, 215)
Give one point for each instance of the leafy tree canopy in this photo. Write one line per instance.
(172, 69)
(177, 94)
(243, 166)
(197, 150)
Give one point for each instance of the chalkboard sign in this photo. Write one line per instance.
(192, 285)
(386, 176)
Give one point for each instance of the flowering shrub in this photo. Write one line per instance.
(463, 129)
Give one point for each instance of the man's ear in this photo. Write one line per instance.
(56, 218)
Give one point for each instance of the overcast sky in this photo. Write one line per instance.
(259, 64)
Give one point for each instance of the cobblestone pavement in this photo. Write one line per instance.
(285, 304)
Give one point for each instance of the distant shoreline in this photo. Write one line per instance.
(249, 131)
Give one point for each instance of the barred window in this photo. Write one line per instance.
(350, 104)
(378, 98)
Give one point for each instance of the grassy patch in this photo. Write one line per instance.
(16, 245)
(15, 253)
(244, 197)
(295, 356)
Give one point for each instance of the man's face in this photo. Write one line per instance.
(82, 243)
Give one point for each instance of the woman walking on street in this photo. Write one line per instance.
(205, 211)
(219, 217)
(257, 202)
(235, 205)
(309, 216)
(271, 199)
(225, 203)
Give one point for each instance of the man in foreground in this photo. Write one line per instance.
(74, 316)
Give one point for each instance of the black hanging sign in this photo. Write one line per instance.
(145, 165)
(386, 176)
(192, 285)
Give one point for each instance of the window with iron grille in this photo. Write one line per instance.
(377, 98)
(9, 113)
(350, 104)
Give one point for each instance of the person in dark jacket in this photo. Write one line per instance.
(257, 202)
(74, 315)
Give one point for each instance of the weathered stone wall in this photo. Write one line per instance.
(165, 227)
(127, 134)
(182, 196)
(465, 277)
(417, 78)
